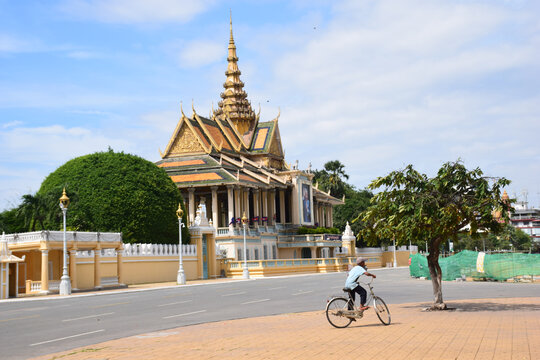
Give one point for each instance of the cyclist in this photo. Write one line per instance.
(352, 284)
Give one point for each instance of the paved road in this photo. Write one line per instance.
(43, 326)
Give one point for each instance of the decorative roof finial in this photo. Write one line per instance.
(182, 110)
(231, 40)
(234, 103)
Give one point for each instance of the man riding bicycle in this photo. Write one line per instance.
(352, 284)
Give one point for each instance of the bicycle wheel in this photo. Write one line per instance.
(381, 310)
(335, 312)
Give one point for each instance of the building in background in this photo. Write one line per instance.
(526, 218)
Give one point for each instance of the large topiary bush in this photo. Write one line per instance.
(120, 193)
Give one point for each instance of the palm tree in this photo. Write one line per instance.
(335, 173)
(33, 210)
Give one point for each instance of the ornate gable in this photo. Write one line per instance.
(186, 142)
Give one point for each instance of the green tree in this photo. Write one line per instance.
(356, 201)
(117, 192)
(331, 178)
(413, 207)
(510, 238)
(11, 223)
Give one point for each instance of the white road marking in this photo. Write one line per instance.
(302, 293)
(88, 317)
(238, 293)
(275, 288)
(185, 314)
(67, 337)
(254, 301)
(175, 303)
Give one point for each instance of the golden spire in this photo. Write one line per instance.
(235, 104)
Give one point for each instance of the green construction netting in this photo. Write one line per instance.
(466, 264)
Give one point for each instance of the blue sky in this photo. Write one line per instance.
(375, 84)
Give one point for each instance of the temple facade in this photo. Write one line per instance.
(232, 163)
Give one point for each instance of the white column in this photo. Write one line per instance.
(282, 206)
(331, 215)
(215, 219)
(191, 205)
(246, 205)
(230, 202)
(271, 206)
(237, 207)
(256, 205)
(264, 198)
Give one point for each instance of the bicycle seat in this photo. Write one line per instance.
(347, 290)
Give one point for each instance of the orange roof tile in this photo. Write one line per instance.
(196, 177)
(218, 136)
(182, 163)
(260, 139)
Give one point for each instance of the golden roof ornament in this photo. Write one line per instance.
(234, 103)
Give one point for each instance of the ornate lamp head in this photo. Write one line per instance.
(179, 212)
(64, 200)
(244, 219)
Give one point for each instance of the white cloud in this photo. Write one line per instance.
(13, 44)
(64, 96)
(83, 55)
(388, 83)
(136, 11)
(200, 53)
(53, 144)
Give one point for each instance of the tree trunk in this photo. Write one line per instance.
(436, 276)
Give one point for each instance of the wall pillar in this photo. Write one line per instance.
(313, 252)
(331, 215)
(282, 206)
(73, 268)
(97, 267)
(215, 219)
(45, 271)
(120, 265)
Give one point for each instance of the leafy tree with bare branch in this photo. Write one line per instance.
(414, 207)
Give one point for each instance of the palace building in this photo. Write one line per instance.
(232, 163)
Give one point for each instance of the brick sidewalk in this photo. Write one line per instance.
(477, 329)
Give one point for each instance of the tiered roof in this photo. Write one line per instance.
(231, 146)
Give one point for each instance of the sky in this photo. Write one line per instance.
(377, 85)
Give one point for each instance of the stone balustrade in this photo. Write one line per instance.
(58, 236)
(145, 250)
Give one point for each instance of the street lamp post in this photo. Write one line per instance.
(65, 282)
(181, 277)
(246, 270)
